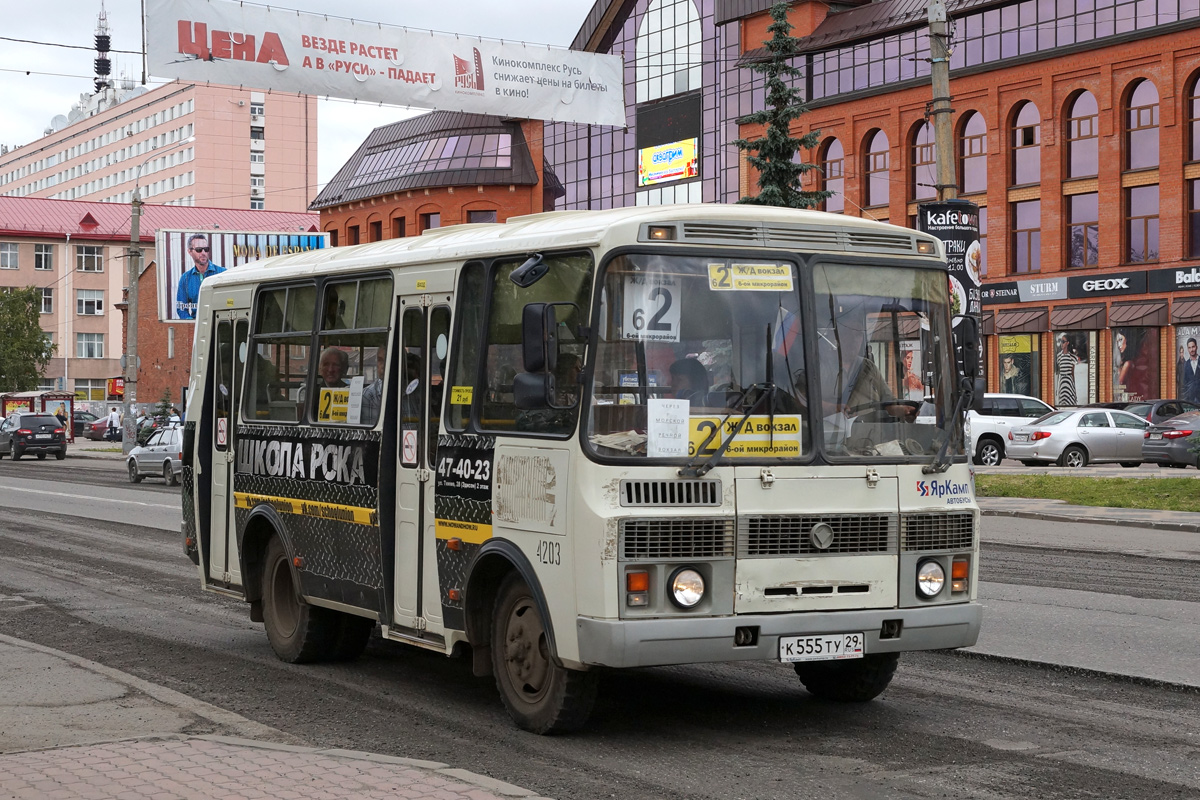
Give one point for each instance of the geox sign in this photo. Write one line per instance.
(1104, 285)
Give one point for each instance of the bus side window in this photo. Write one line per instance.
(279, 355)
(439, 339)
(354, 333)
(464, 368)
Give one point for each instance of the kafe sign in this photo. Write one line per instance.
(956, 223)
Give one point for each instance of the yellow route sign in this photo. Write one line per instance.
(750, 277)
(755, 440)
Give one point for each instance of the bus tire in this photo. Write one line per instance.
(299, 633)
(852, 681)
(541, 696)
(353, 633)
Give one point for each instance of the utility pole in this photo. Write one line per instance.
(129, 429)
(940, 108)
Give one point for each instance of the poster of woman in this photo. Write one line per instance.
(912, 387)
(1071, 368)
(1135, 363)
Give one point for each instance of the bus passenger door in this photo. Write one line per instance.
(229, 360)
(423, 340)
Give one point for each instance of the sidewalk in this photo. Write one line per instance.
(77, 729)
(1060, 511)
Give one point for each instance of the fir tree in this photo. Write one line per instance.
(772, 155)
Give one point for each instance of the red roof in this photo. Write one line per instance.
(36, 216)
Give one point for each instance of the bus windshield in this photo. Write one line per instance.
(706, 357)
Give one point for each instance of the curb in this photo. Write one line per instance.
(1153, 683)
(1128, 523)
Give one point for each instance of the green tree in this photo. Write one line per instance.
(773, 155)
(163, 409)
(24, 351)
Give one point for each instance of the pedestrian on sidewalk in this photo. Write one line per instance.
(114, 425)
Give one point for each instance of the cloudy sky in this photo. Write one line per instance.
(40, 81)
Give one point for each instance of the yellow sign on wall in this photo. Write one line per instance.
(668, 162)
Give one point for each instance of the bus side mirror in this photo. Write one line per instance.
(966, 356)
(539, 331)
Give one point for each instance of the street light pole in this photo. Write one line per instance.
(129, 428)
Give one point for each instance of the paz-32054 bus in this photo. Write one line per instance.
(586, 440)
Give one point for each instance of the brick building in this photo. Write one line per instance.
(75, 252)
(441, 168)
(1077, 132)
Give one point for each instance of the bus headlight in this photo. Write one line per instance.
(930, 578)
(687, 587)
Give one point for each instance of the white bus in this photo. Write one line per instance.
(587, 440)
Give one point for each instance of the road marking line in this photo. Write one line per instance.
(84, 497)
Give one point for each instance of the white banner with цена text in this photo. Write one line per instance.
(285, 50)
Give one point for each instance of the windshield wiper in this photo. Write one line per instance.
(694, 471)
(940, 463)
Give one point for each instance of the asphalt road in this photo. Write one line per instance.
(952, 725)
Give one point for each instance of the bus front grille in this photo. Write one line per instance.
(772, 535)
(657, 538)
(952, 531)
(670, 493)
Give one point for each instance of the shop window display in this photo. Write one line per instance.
(1074, 363)
(1135, 363)
(1187, 363)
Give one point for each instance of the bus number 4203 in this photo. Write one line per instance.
(549, 553)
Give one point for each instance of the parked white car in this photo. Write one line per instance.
(1001, 413)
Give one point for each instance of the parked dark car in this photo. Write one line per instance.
(1174, 443)
(24, 433)
(96, 430)
(80, 421)
(1153, 411)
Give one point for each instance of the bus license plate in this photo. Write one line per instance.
(827, 647)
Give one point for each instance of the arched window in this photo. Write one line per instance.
(832, 176)
(923, 175)
(668, 50)
(876, 169)
(1027, 145)
(1141, 127)
(972, 158)
(1082, 132)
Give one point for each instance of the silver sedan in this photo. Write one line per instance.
(159, 456)
(1078, 438)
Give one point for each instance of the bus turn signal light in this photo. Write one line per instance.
(637, 588)
(959, 571)
(454, 543)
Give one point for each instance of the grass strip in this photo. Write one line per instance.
(1165, 494)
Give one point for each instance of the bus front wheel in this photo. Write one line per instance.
(541, 696)
(299, 633)
(851, 681)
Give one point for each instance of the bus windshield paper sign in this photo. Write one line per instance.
(285, 50)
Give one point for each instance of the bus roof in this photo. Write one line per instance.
(717, 224)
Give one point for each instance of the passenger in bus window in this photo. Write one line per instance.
(332, 366)
(372, 397)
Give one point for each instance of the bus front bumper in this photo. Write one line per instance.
(660, 642)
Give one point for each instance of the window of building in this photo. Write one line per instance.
(89, 345)
(1193, 218)
(256, 133)
(398, 226)
(1027, 145)
(8, 255)
(1141, 226)
(832, 176)
(257, 157)
(352, 234)
(257, 204)
(1141, 127)
(89, 258)
(89, 388)
(481, 216)
(258, 180)
(1082, 136)
(431, 220)
(43, 256)
(923, 175)
(877, 166)
(89, 302)
(477, 151)
(375, 230)
(1027, 236)
(1192, 109)
(47, 301)
(282, 345)
(257, 108)
(972, 158)
(333, 238)
(983, 249)
(1083, 230)
(668, 57)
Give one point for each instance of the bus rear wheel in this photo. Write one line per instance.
(299, 633)
(852, 681)
(541, 696)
